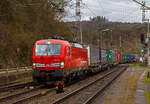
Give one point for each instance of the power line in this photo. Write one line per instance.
(142, 4)
(100, 5)
(129, 16)
(144, 8)
(89, 9)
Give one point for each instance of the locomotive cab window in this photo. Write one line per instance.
(48, 50)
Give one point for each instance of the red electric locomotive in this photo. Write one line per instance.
(58, 60)
(119, 57)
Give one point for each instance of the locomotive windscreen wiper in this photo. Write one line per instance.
(48, 50)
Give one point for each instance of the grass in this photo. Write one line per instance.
(147, 95)
(138, 65)
(146, 79)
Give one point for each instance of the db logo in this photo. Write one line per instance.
(47, 65)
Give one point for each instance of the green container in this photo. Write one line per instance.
(109, 56)
(124, 57)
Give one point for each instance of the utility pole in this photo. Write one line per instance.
(102, 40)
(146, 20)
(144, 8)
(111, 40)
(78, 16)
(102, 31)
(120, 44)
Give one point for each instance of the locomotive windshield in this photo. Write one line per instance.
(48, 50)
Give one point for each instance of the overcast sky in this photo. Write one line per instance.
(114, 10)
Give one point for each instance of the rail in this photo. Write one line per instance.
(88, 101)
(18, 69)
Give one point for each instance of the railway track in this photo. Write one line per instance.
(30, 94)
(11, 83)
(35, 95)
(87, 93)
(14, 86)
(11, 98)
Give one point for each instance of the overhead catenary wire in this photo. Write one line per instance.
(101, 5)
(89, 9)
(142, 4)
(129, 16)
(86, 6)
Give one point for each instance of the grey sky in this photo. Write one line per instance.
(114, 10)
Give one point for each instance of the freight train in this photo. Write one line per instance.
(60, 61)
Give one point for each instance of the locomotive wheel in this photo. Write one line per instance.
(67, 79)
(108, 67)
(36, 80)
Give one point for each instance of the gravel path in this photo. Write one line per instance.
(123, 90)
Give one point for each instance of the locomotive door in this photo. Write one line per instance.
(68, 57)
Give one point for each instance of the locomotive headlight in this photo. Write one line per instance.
(34, 66)
(62, 65)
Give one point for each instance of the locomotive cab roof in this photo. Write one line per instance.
(58, 41)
